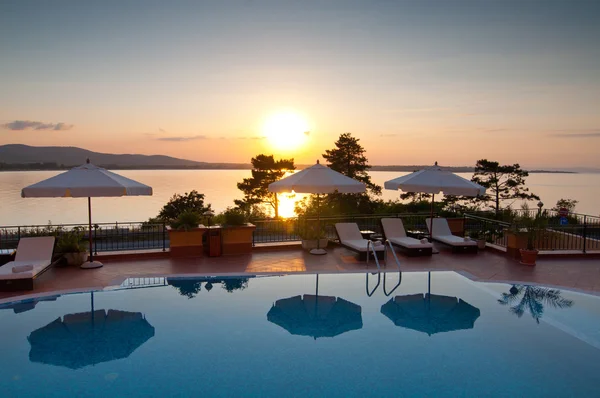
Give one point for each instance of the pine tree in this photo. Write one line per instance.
(265, 170)
(349, 158)
(502, 182)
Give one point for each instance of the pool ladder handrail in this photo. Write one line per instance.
(387, 294)
(386, 243)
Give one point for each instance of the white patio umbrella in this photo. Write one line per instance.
(317, 179)
(434, 180)
(86, 181)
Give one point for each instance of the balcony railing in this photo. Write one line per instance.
(579, 232)
(107, 237)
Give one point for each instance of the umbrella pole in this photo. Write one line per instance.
(90, 229)
(431, 218)
(91, 263)
(433, 250)
(318, 250)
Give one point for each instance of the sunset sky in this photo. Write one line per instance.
(416, 81)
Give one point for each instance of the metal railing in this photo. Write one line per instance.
(106, 237)
(493, 231)
(291, 229)
(574, 232)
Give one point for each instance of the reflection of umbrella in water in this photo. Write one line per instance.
(89, 338)
(316, 316)
(430, 313)
(27, 305)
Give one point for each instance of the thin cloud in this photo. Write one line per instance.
(497, 130)
(20, 125)
(388, 135)
(254, 137)
(162, 130)
(594, 134)
(183, 139)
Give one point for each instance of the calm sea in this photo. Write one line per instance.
(220, 189)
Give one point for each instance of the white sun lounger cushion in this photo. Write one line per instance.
(394, 231)
(350, 236)
(35, 252)
(410, 243)
(441, 232)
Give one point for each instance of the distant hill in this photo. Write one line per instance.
(25, 157)
(65, 157)
(454, 169)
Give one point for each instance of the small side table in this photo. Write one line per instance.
(376, 237)
(366, 234)
(7, 255)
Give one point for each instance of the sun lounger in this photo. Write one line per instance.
(442, 233)
(393, 230)
(34, 256)
(350, 237)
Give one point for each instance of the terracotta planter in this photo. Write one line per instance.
(76, 259)
(515, 242)
(456, 225)
(309, 244)
(237, 239)
(186, 243)
(480, 244)
(528, 257)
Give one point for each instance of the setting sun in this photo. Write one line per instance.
(286, 130)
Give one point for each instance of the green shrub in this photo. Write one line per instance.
(192, 201)
(186, 221)
(71, 241)
(234, 216)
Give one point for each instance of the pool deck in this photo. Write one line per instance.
(573, 273)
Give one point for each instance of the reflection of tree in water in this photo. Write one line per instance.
(232, 284)
(186, 287)
(523, 298)
(191, 287)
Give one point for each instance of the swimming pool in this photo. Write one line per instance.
(411, 334)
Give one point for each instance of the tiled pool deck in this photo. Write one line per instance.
(581, 274)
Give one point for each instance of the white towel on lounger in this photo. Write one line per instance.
(22, 268)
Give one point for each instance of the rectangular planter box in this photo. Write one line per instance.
(457, 226)
(237, 239)
(515, 242)
(186, 243)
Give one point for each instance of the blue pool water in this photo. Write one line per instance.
(436, 334)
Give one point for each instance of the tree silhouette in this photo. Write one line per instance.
(186, 287)
(522, 298)
(504, 182)
(265, 170)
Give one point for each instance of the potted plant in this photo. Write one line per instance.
(237, 233)
(312, 235)
(533, 228)
(479, 237)
(185, 234)
(71, 245)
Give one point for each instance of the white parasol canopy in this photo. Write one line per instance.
(86, 181)
(318, 179)
(434, 180)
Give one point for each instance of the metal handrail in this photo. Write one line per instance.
(376, 286)
(395, 287)
(370, 244)
(388, 243)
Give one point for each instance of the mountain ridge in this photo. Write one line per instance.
(25, 157)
